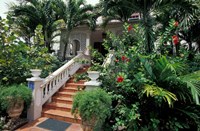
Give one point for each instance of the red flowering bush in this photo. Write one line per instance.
(120, 79)
(175, 39)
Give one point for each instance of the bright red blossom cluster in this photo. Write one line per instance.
(175, 39)
(120, 79)
(123, 58)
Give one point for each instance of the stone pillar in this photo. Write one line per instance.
(35, 108)
(87, 52)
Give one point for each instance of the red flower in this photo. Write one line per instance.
(130, 28)
(175, 39)
(116, 60)
(176, 23)
(123, 58)
(120, 79)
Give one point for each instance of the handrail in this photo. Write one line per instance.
(57, 79)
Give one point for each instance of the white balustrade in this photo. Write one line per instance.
(50, 85)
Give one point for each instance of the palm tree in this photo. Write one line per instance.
(184, 11)
(73, 13)
(29, 14)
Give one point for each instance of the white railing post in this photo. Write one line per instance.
(35, 108)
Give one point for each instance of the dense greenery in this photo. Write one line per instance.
(154, 81)
(17, 58)
(57, 17)
(155, 15)
(150, 92)
(92, 106)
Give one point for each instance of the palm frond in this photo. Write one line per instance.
(193, 82)
(151, 90)
(193, 113)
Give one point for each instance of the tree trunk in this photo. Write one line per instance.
(47, 43)
(64, 40)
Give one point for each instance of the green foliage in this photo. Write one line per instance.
(16, 58)
(97, 57)
(159, 87)
(14, 93)
(93, 106)
(82, 76)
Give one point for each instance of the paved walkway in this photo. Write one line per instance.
(33, 126)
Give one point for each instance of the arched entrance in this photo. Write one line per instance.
(74, 47)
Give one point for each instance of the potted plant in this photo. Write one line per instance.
(14, 98)
(36, 66)
(93, 107)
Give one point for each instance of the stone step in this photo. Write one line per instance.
(72, 80)
(58, 106)
(69, 89)
(62, 99)
(65, 94)
(61, 115)
(74, 85)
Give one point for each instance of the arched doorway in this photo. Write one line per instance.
(74, 47)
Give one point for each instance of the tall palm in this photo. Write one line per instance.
(29, 14)
(73, 13)
(150, 10)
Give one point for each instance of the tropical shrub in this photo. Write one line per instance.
(150, 92)
(17, 58)
(13, 94)
(92, 106)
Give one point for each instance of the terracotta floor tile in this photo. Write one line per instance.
(74, 127)
(33, 125)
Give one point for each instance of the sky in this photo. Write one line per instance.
(4, 6)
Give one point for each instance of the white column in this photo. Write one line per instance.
(35, 108)
(87, 52)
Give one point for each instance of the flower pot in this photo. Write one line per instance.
(36, 73)
(88, 125)
(16, 108)
(93, 75)
(90, 85)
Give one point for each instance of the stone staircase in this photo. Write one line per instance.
(60, 106)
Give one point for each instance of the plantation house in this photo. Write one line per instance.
(82, 37)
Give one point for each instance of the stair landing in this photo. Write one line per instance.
(33, 126)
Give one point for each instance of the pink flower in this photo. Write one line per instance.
(120, 79)
(175, 39)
